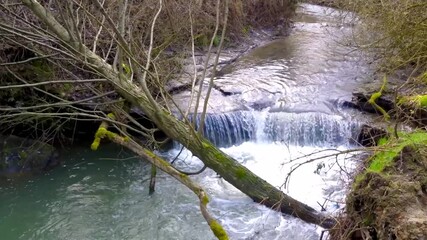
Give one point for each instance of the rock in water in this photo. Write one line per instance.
(370, 135)
(22, 155)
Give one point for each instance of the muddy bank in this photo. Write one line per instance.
(389, 195)
(388, 199)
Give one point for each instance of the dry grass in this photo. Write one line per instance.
(397, 30)
(172, 32)
(173, 25)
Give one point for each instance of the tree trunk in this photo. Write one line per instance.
(233, 172)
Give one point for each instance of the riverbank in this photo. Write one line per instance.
(388, 197)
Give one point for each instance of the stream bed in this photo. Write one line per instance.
(304, 77)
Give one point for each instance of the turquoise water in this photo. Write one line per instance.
(96, 197)
(71, 202)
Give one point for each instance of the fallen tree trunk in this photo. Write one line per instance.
(239, 176)
(236, 174)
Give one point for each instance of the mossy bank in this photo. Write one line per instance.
(388, 199)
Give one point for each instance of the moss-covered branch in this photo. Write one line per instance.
(377, 95)
(157, 162)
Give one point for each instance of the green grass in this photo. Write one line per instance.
(391, 148)
(417, 101)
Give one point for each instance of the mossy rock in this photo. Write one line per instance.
(18, 155)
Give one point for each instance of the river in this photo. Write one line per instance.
(306, 76)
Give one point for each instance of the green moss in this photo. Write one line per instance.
(382, 141)
(111, 135)
(111, 116)
(206, 144)
(162, 162)
(218, 230)
(391, 149)
(95, 144)
(383, 159)
(419, 137)
(416, 101)
(205, 200)
(101, 132)
(23, 154)
(183, 176)
(241, 173)
(150, 153)
(422, 100)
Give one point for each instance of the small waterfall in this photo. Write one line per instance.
(298, 129)
(310, 129)
(227, 129)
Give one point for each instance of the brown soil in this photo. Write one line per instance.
(391, 204)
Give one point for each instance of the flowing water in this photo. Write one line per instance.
(306, 76)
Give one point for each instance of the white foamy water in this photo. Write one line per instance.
(310, 184)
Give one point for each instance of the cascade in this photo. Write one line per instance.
(297, 129)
